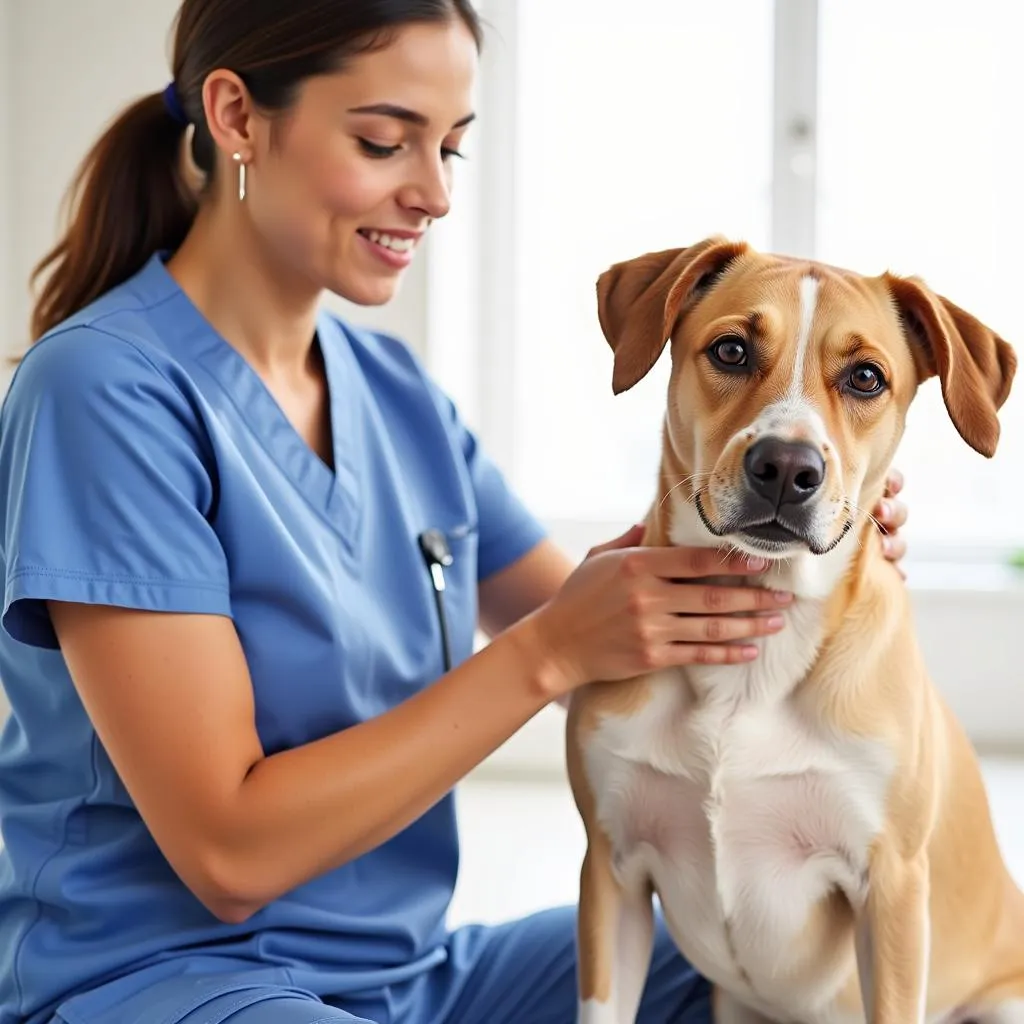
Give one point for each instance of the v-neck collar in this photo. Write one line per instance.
(332, 494)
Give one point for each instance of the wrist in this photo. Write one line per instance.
(550, 675)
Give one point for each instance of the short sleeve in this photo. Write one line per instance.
(106, 487)
(507, 528)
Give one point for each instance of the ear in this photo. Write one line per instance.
(640, 301)
(974, 365)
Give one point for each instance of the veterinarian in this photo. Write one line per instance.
(242, 541)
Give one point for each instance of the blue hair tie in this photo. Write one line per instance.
(173, 104)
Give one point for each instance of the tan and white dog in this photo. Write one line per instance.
(814, 823)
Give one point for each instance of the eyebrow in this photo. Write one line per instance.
(404, 114)
(857, 344)
(755, 325)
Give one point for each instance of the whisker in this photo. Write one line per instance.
(858, 511)
(682, 483)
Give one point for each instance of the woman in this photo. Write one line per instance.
(225, 781)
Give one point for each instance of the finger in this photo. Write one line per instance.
(894, 547)
(893, 483)
(709, 654)
(690, 598)
(629, 539)
(898, 516)
(891, 514)
(686, 563)
(716, 629)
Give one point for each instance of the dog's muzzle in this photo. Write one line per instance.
(781, 478)
(774, 508)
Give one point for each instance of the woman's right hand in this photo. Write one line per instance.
(627, 610)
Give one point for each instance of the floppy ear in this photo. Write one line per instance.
(640, 300)
(974, 365)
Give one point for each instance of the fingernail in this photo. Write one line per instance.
(783, 596)
(775, 622)
(884, 509)
(887, 544)
(749, 653)
(757, 564)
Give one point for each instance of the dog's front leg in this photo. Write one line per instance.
(894, 940)
(615, 937)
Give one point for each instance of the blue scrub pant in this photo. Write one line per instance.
(523, 972)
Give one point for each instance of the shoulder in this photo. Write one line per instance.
(85, 364)
(84, 396)
(125, 335)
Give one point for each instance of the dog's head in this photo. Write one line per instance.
(791, 381)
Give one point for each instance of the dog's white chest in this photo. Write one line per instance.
(747, 817)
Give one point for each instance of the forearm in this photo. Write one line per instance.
(305, 811)
(521, 588)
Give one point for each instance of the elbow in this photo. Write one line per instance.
(225, 888)
(229, 909)
(228, 906)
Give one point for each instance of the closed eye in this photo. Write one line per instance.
(379, 152)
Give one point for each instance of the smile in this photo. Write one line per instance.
(394, 251)
(392, 242)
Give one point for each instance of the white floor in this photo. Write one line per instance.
(523, 843)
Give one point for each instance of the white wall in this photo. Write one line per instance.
(69, 67)
(6, 199)
(6, 158)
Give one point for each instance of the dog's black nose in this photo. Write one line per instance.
(784, 472)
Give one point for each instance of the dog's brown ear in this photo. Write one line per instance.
(639, 301)
(974, 365)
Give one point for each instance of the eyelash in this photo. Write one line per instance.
(371, 149)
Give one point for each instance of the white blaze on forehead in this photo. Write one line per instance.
(808, 306)
(795, 409)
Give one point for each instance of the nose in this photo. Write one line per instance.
(430, 192)
(784, 472)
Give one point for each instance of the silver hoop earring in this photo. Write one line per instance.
(241, 176)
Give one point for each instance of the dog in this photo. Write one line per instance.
(813, 823)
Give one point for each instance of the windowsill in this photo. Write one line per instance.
(955, 577)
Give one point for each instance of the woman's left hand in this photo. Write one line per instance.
(891, 514)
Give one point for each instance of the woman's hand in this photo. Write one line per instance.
(627, 610)
(891, 514)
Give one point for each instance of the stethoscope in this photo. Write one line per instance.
(438, 556)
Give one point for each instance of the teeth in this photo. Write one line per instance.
(395, 244)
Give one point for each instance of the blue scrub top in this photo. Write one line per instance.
(144, 464)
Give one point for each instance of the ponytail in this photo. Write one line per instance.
(129, 198)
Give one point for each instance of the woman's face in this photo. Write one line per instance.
(343, 188)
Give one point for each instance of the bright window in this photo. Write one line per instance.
(872, 134)
(921, 145)
(640, 127)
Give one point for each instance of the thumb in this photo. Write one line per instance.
(629, 539)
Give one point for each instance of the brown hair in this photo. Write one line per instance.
(130, 197)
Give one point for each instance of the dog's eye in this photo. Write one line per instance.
(730, 352)
(866, 379)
